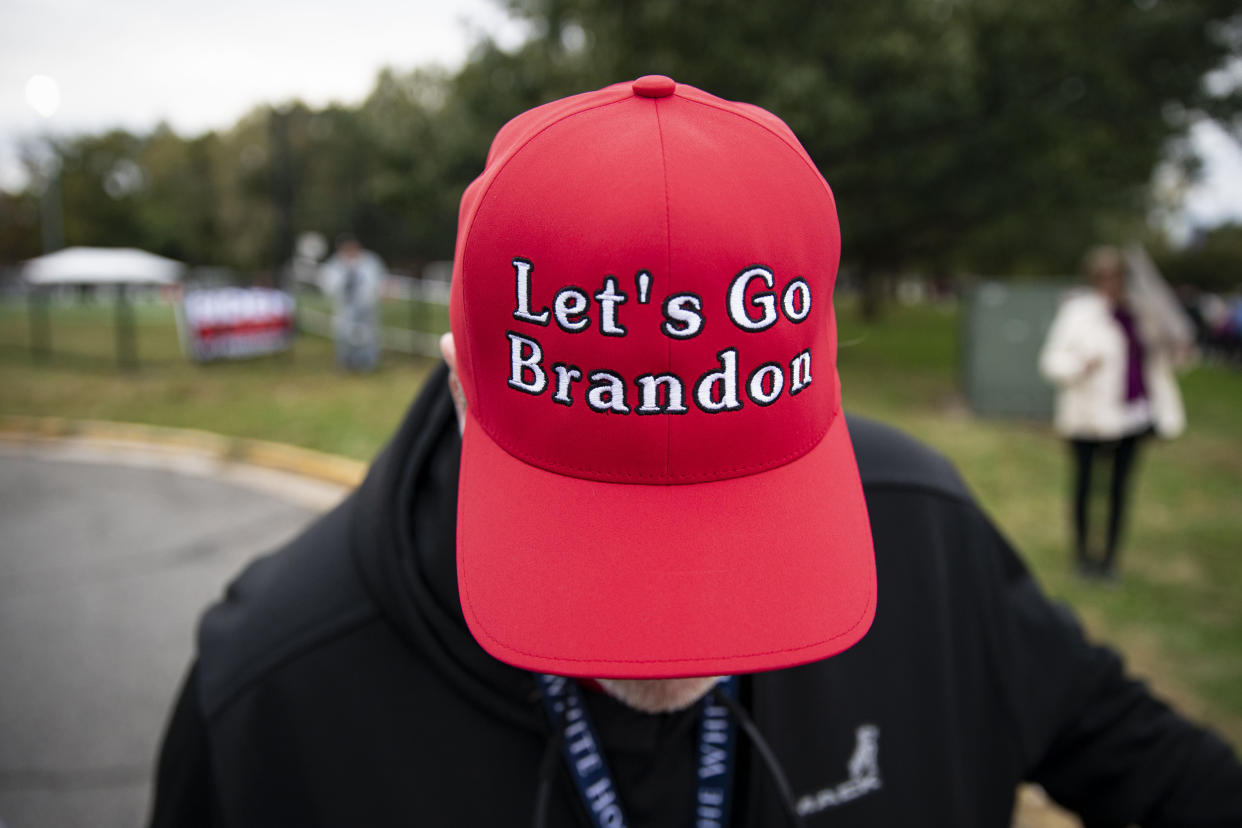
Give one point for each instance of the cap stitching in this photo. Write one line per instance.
(479, 621)
(867, 606)
(668, 275)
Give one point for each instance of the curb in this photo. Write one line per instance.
(318, 465)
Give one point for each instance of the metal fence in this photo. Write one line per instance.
(413, 314)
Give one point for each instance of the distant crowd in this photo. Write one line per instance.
(1217, 321)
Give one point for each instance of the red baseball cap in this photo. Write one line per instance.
(656, 476)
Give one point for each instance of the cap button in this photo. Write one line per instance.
(654, 86)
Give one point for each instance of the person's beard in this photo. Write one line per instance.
(659, 695)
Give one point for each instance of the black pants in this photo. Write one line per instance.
(1086, 453)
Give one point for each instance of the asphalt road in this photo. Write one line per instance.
(108, 554)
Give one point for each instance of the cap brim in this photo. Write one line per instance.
(585, 578)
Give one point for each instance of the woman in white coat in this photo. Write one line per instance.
(1111, 360)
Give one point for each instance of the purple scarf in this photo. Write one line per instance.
(1136, 388)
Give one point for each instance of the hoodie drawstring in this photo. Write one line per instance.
(765, 753)
(547, 771)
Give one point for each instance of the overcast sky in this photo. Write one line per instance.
(201, 64)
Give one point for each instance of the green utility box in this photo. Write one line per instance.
(1003, 329)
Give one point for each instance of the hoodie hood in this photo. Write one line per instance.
(403, 543)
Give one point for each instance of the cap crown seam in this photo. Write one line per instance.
(796, 148)
(668, 274)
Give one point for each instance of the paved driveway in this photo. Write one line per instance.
(108, 553)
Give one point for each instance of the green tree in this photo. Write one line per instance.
(245, 214)
(100, 180)
(1213, 261)
(19, 227)
(961, 134)
(178, 206)
(958, 135)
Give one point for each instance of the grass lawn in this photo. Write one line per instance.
(1177, 613)
(297, 397)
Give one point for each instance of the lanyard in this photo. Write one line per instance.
(585, 759)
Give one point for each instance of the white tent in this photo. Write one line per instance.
(117, 266)
(102, 265)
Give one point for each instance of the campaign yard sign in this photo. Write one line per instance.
(236, 323)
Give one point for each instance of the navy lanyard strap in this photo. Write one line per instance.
(584, 755)
(717, 743)
(563, 700)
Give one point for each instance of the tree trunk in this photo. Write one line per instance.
(871, 284)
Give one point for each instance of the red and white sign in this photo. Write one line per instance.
(235, 323)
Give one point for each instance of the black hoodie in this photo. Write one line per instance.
(336, 685)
